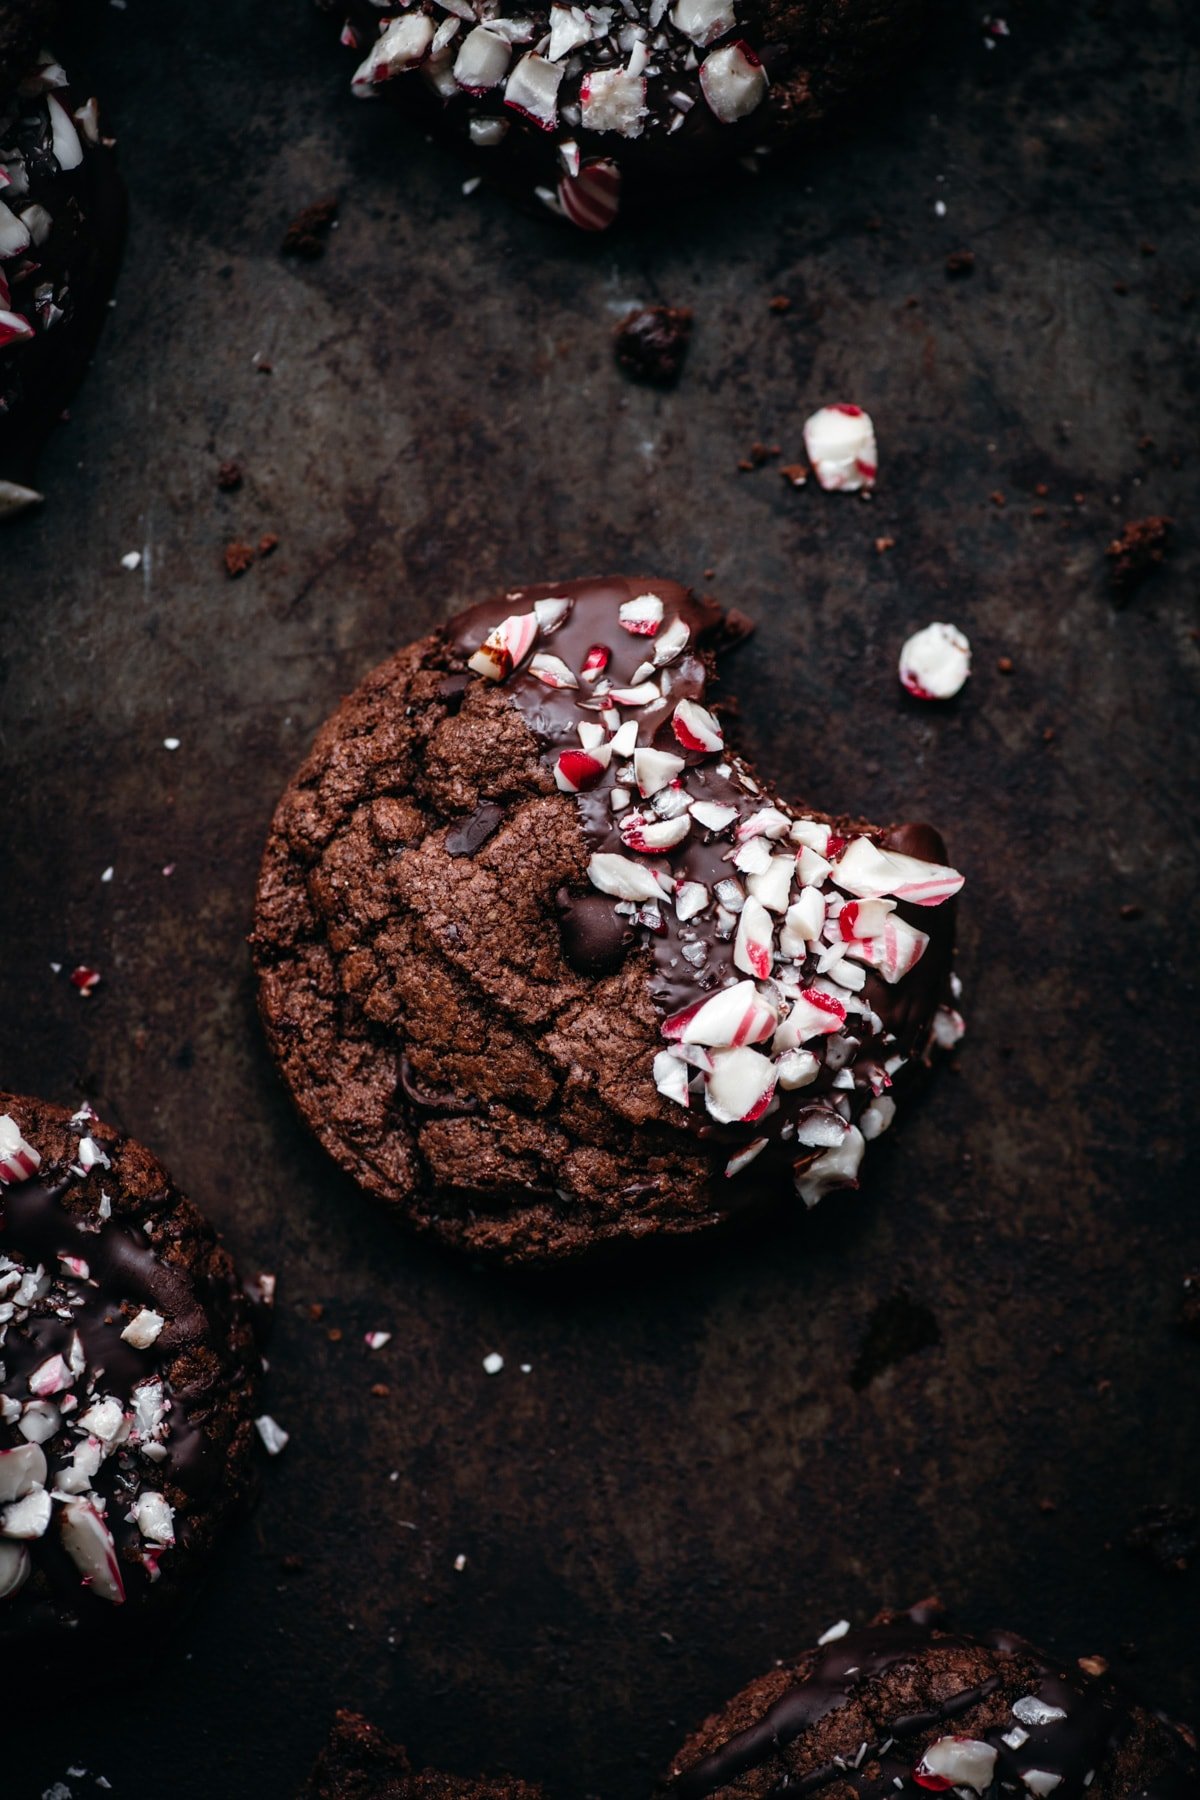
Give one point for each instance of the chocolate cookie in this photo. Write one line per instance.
(547, 966)
(127, 1384)
(576, 102)
(905, 1707)
(359, 1763)
(61, 228)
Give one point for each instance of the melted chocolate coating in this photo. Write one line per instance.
(152, 1252)
(59, 285)
(1097, 1723)
(553, 715)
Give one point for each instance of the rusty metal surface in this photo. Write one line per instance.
(700, 1468)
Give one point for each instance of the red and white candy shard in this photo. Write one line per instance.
(956, 1762)
(625, 879)
(642, 616)
(733, 81)
(743, 1158)
(68, 151)
(88, 1542)
(505, 647)
(895, 949)
(840, 443)
(577, 770)
(532, 89)
(654, 769)
(552, 671)
(704, 21)
(813, 1014)
(696, 728)
(18, 1159)
(591, 200)
(867, 871)
(935, 662)
(740, 1085)
(1040, 1781)
(14, 328)
(671, 1077)
(613, 100)
(402, 46)
(736, 1015)
(753, 945)
(835, 1168)
(482, 60)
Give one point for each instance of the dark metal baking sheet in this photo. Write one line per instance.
(686, 1482)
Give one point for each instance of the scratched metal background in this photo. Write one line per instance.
(687, 1481)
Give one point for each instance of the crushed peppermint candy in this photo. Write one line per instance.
(274, 1437)
(798, 968)
(493, 1362)
(375, 1340)
(840, 443)
(935, 662)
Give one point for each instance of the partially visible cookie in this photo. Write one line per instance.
(62, 217)
(359, 1763)
(127, 1386)
(547, 965)
(580, 104)
(905, 1707)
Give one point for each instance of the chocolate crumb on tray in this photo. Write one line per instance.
(360, 1763)
(651, 342)
(547, 966)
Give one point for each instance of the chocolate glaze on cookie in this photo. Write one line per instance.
(577, 103)
(359, 1763)
(626, 1023)
(127, 1382)
(62, 215)
(906, 1707)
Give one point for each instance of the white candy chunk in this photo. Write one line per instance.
(14, 236)
(487, 133)
(654, 769)
(403, 45)
(18, 1159)
(40, 1419)
(643, 615)
(803, 923)
(1040, 1781)
(935, 662)
(712, 816)
(773, 884)
(625, 879)
(68, 151)
(83, 1468)
(864, 918)
(813, 1014)
(733, 81)
(569, 30)
(898, 948)
(1014, 1738)
(743, 1158)
(532, 89)
(614, 100)
(670, 642)
(652, 836)
(735, 1015)
(552, 612)
(14, 1567)
(691, 898)
(821, 1129)
(840, 441)
(867, 871)
(505, 647)
(106, 1419)
(273, 1435)
(28, 1517)
(834, 1633)
(877, 1117)
(696, 728)
(704, 21)
(671, 1077)
(963, 1761)
(1032, 1711)
(552, 671)
(482, 62)
(948, 1027)
(154, 1518)
(88, 1542)
(740, 1085)
(642, 693)
(21, 1471)
(797, 1068)
(811, 868)
(752, 856)
(14, 498)
(143, 1329)
(753, 946)
(837, 1168)
(812, 833)
(50, 1377)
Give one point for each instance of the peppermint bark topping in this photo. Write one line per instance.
(797, 969)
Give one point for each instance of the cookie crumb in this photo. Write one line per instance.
(960, 262)
(268, 542)
(1140, 549)
(229, 477)
(651, 342)
(238, 558)
(308, 232)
